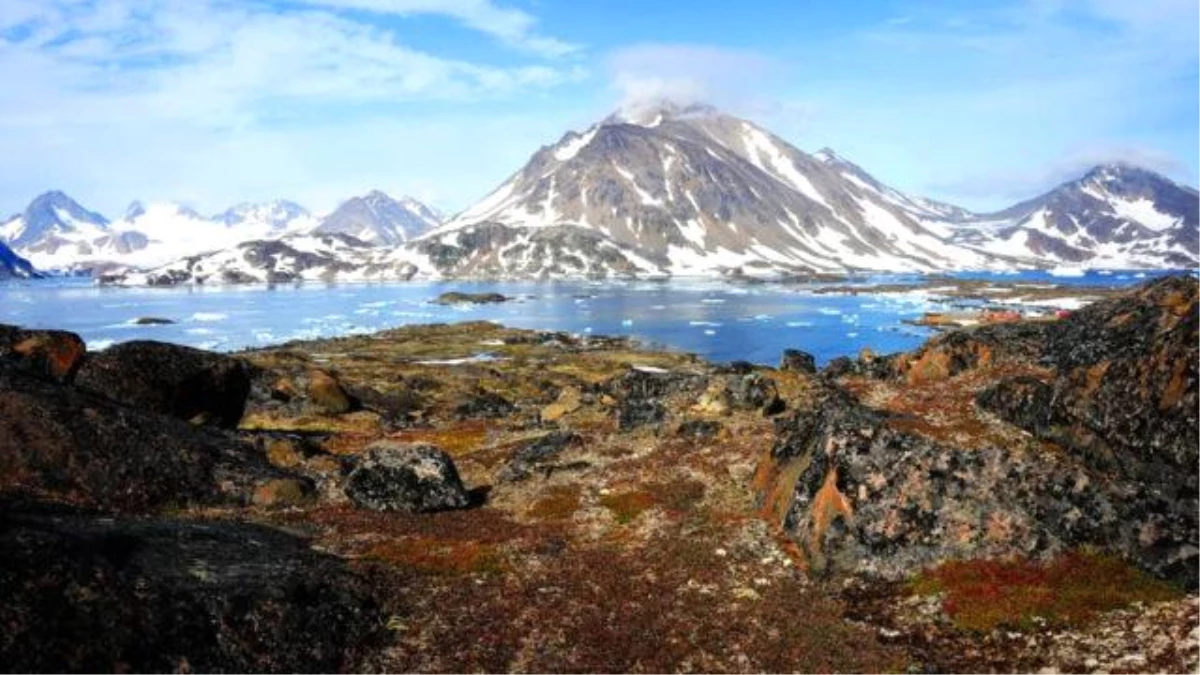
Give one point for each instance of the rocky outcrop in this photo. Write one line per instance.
(90, 594)
(54, 354)
(58, 441)
(406, 477)
(170, 379)
(1108, 394)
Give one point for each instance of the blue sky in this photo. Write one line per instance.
(212, 102)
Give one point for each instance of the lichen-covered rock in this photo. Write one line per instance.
(283, 492)
(53, 354)
(798, 361)
(406, 477)
(327, 394)
(1109, 396)
(56, 440)
(535, 454)
(90, 594)
(187, 383)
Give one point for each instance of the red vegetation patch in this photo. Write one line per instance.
(1071, 589)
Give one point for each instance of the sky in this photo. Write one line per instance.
(214, 102)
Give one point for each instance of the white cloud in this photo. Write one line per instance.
(683, 73)
(512, 26)
(213, 101)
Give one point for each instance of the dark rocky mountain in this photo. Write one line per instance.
(380, 220)
(13, 265)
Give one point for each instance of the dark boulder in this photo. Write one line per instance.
(640, 394)
(484, 404)
(57, 440)
(52, 354)
(536, 455)
(89, 594)
(406, 477)
(798, 361)
(187, 383)
(755, 392)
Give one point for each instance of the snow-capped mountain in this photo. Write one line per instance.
(54, 227)
(56, 233)
(378, 219)
(1116, 216)
(13, 266)
(303, 257)
(267, 219)
(693, 191)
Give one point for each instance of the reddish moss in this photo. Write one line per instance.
(984, 594)
(627, 506)
(561, 502)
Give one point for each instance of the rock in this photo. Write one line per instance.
(282, 492)
(187, 383)
(798, 361)
(716, 400)
(640, 393)
(1025, 401)
(52, 354)
(569, 400)
(284, 453)
(327, 394)
(534, 454)
(1116, 391)
(699, 430)
(458, 298)
(152, 321)
(406, 477)
(484, 404)
(83, 593)
(755, 392)
(57, 440)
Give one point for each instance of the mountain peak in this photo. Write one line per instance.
(654, 112)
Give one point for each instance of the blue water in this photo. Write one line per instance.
(717, 320)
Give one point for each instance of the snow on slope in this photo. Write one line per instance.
(1116, 216)
(706, 193)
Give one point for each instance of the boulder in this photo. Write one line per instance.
(90, 594)
(406, 477)
(535, 453)
(283, 492)
(798, 361)
(57, 440)
(187, 383)
(484, 404)
(327, 394)
(53, 354)
(569, 400)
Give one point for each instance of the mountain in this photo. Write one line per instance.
(378, 219)
(14, 266)
(694, 191)
(301, 257)
(268, 218)
(54, 227)
(1116, 216)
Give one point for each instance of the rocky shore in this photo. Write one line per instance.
(1019, 496)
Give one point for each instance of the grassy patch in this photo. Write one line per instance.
(1071, 589)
